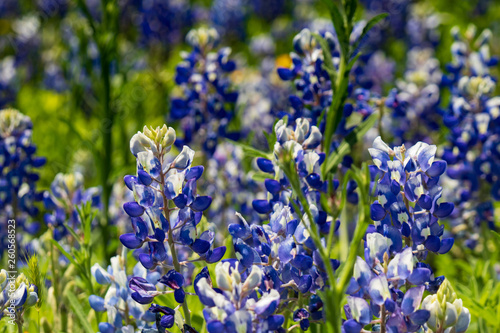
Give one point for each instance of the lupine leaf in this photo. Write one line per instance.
(350, 8)
(327, 57)
(350, 140)
(78, 311)
(251, 151)
(339, 24)
(369, 25)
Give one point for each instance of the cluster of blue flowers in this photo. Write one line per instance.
(472, 149)
(290, 261)
(16, 296)
(314, 85)
(393, 274)
(66, 194)
(18, 176)
(123, 312)
(165, 215)
(206, 107)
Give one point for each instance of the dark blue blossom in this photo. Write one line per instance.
(18, 176)
(206, 107)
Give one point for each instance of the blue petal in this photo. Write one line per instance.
(97, 303)
(425, 201)
(446, 245)
(131, 241)
(201, 203)
(130, 181)
(352, 326)
(200, 246)
(261, 206)
(265, 165)
(377, 212)
(302, 262)
(195, 172)
(420, 317)
(285, 74)
(144, 177)
(305, 283)
(106, 328)
(412, 299)
(437, 169)
(273, 322)
(180, 200)
(133, 209)
(432, 243)
(215, 255)
(273, 186)
(444, 210)
(419, 276)
(179, 295)
(215, 326)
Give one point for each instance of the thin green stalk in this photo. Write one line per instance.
(331, 300)
(173, 252)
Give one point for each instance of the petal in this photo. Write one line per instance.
(419, 276)
(437, 169)
(133, 209)
(201, 203)
(261, 206)
(265, 165)
(97, 303)
(412, 299)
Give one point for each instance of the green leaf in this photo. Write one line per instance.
(251, 151)
(327, 57)
(78, 311)
(350, 140)
(271, 138)
(374, 20)
(340, 26)
(353, 61)
(350, 8)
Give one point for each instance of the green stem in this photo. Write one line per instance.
(173, 252)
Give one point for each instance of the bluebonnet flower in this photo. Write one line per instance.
(390, 281)
(165, 214)
(18, 177)
(163, 22)
(206, 107)
(414, 103)
(314, 86)
(472, 117)
(311, 80)
(235, 305)
(123, 312)
(410, 176)
(290, 261)
(229, 18)
(18, 292)
(66, 194)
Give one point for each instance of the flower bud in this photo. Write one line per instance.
(446, 310)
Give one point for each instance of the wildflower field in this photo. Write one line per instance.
(232, 166)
